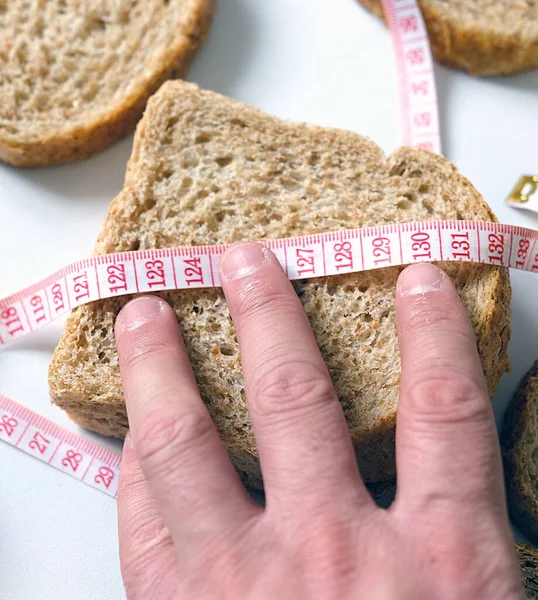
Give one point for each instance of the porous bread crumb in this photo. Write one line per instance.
(519, 441)
(528, 563)
(206, 170)
(76, 75)
(483, 37)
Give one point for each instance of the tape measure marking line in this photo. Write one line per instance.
(58, 447)
(440, 239)
(401, 245)
(97, 279)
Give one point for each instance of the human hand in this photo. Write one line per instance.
(187, 527)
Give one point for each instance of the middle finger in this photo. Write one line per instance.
(300, 429)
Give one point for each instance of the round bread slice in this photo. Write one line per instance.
(519, 441)
(76, 76)
(483, 37)
(206, 169)
(528, 563)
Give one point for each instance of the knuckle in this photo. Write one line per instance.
(143, 574)
(452, 549)
(143, 347)
(131, 482)
(165, 436)
(144, 531)
(423, 313)
(447, 397)
(290, 385)
(327, 550)
(466, 561)
(262, 297)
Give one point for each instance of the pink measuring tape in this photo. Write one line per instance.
(319, 255)
(419, 112)
(55, 446)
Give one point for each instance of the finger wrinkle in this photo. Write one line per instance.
(147, 346)
(258, 297)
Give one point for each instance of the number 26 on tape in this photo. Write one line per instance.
(8, 425)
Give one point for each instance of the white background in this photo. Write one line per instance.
(328, 62)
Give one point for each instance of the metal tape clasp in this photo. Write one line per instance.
(526, 186)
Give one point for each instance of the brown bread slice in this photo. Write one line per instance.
(528, 562)
(76, 75)
(483, 37)
(519, 442)
(205, 170)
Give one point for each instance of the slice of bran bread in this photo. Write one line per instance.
(528, 562)
(483, 37)
(206, 169)
(76, 75)
(519, 441)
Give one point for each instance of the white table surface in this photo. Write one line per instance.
(327, 62)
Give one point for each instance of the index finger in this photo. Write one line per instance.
(177, 445)
(446, 442)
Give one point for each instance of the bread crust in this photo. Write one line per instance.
(519, 441)
(78, 142)
(471, 48)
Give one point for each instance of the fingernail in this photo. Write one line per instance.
(128, 442)
(139, 312)
(420, 279)
(242, 260)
